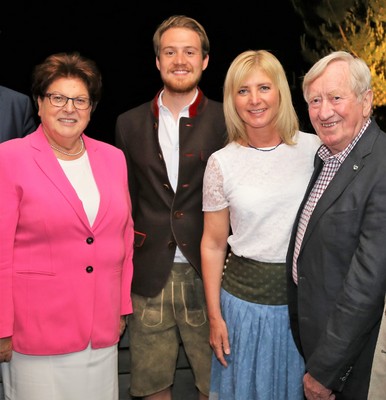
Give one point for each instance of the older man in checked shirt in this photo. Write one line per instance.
(336, 261)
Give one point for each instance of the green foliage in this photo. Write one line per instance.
(355, 26)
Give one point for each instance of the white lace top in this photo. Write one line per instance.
(263, 191)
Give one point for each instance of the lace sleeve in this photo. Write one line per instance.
(213, 197)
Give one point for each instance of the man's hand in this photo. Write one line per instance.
(315, 390)
(5, 349)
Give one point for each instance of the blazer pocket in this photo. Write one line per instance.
(139, 238)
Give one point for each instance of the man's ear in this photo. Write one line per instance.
(367, 102)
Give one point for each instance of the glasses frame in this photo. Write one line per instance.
(68, 98)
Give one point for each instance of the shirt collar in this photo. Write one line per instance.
(161, 104)
(325, 153)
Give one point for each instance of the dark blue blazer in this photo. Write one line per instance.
(16, 114)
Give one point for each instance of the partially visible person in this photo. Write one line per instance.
(66, 243)
(377, 388)
(337, 255)
(17, 117)
(254, 186)
(167, 142)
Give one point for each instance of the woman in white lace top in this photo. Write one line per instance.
(252, 190)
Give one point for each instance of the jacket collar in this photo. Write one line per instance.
(194, 109)
(45, 158)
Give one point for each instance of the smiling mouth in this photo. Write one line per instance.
(260, 110)
(67, 120)
(180, 71)
(329, 125)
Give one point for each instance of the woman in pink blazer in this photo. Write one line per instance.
(66, 240)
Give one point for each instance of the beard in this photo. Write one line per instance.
(181, 86)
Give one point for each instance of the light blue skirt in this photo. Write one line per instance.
(264, 363)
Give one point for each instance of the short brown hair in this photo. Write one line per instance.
(181, 21)
(64, 65)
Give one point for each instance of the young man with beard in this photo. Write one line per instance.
(167, 142)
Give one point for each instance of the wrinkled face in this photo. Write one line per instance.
(65, 122)
(335, 111)
(180, 60)
(257, 100)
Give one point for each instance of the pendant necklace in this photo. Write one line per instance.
(70, 154)
(260, 149)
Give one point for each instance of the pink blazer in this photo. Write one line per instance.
(63, 283)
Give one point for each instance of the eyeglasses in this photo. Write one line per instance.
(59, 100)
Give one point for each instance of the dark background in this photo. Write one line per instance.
(118, 36)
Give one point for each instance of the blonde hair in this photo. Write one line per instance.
(286, 121)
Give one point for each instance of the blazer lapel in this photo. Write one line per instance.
(50, 166)
(348, 171)
(100, 170)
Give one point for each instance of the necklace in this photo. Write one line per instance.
(70, 154)
(273, 148)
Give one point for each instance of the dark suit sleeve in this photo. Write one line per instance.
(346, 252)
(121, 142)
(29, 122)
(17, 115)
